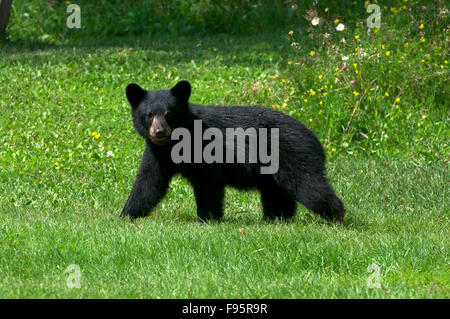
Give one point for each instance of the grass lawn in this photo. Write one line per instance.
(61, 194)
(396, 220)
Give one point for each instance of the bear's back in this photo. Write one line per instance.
(294, 136)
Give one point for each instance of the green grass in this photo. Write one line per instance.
(398, 219)
(60, 194)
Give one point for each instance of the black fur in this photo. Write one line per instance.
(300, 178)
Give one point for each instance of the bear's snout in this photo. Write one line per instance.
(159, 131)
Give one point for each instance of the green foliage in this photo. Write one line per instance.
(46, 20)
(371, 90)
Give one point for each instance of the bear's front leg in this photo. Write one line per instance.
(149, 188)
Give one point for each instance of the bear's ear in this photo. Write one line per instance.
(135, 94)
(182, 90)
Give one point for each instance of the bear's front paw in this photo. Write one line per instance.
(132, 213)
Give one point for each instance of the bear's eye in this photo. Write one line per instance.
(168, 115)
(150, 114)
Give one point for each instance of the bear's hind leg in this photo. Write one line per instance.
(277, 203)
(209, 199)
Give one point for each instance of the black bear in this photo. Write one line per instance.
(297, 173)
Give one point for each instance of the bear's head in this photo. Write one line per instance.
(157, 112)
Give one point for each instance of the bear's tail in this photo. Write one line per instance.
(318, 196)
(329, 207)
(337, 209)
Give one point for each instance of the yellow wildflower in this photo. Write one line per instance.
(421, 26)
(312, 53)
(355, 93)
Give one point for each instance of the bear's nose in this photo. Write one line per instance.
(159, 132)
